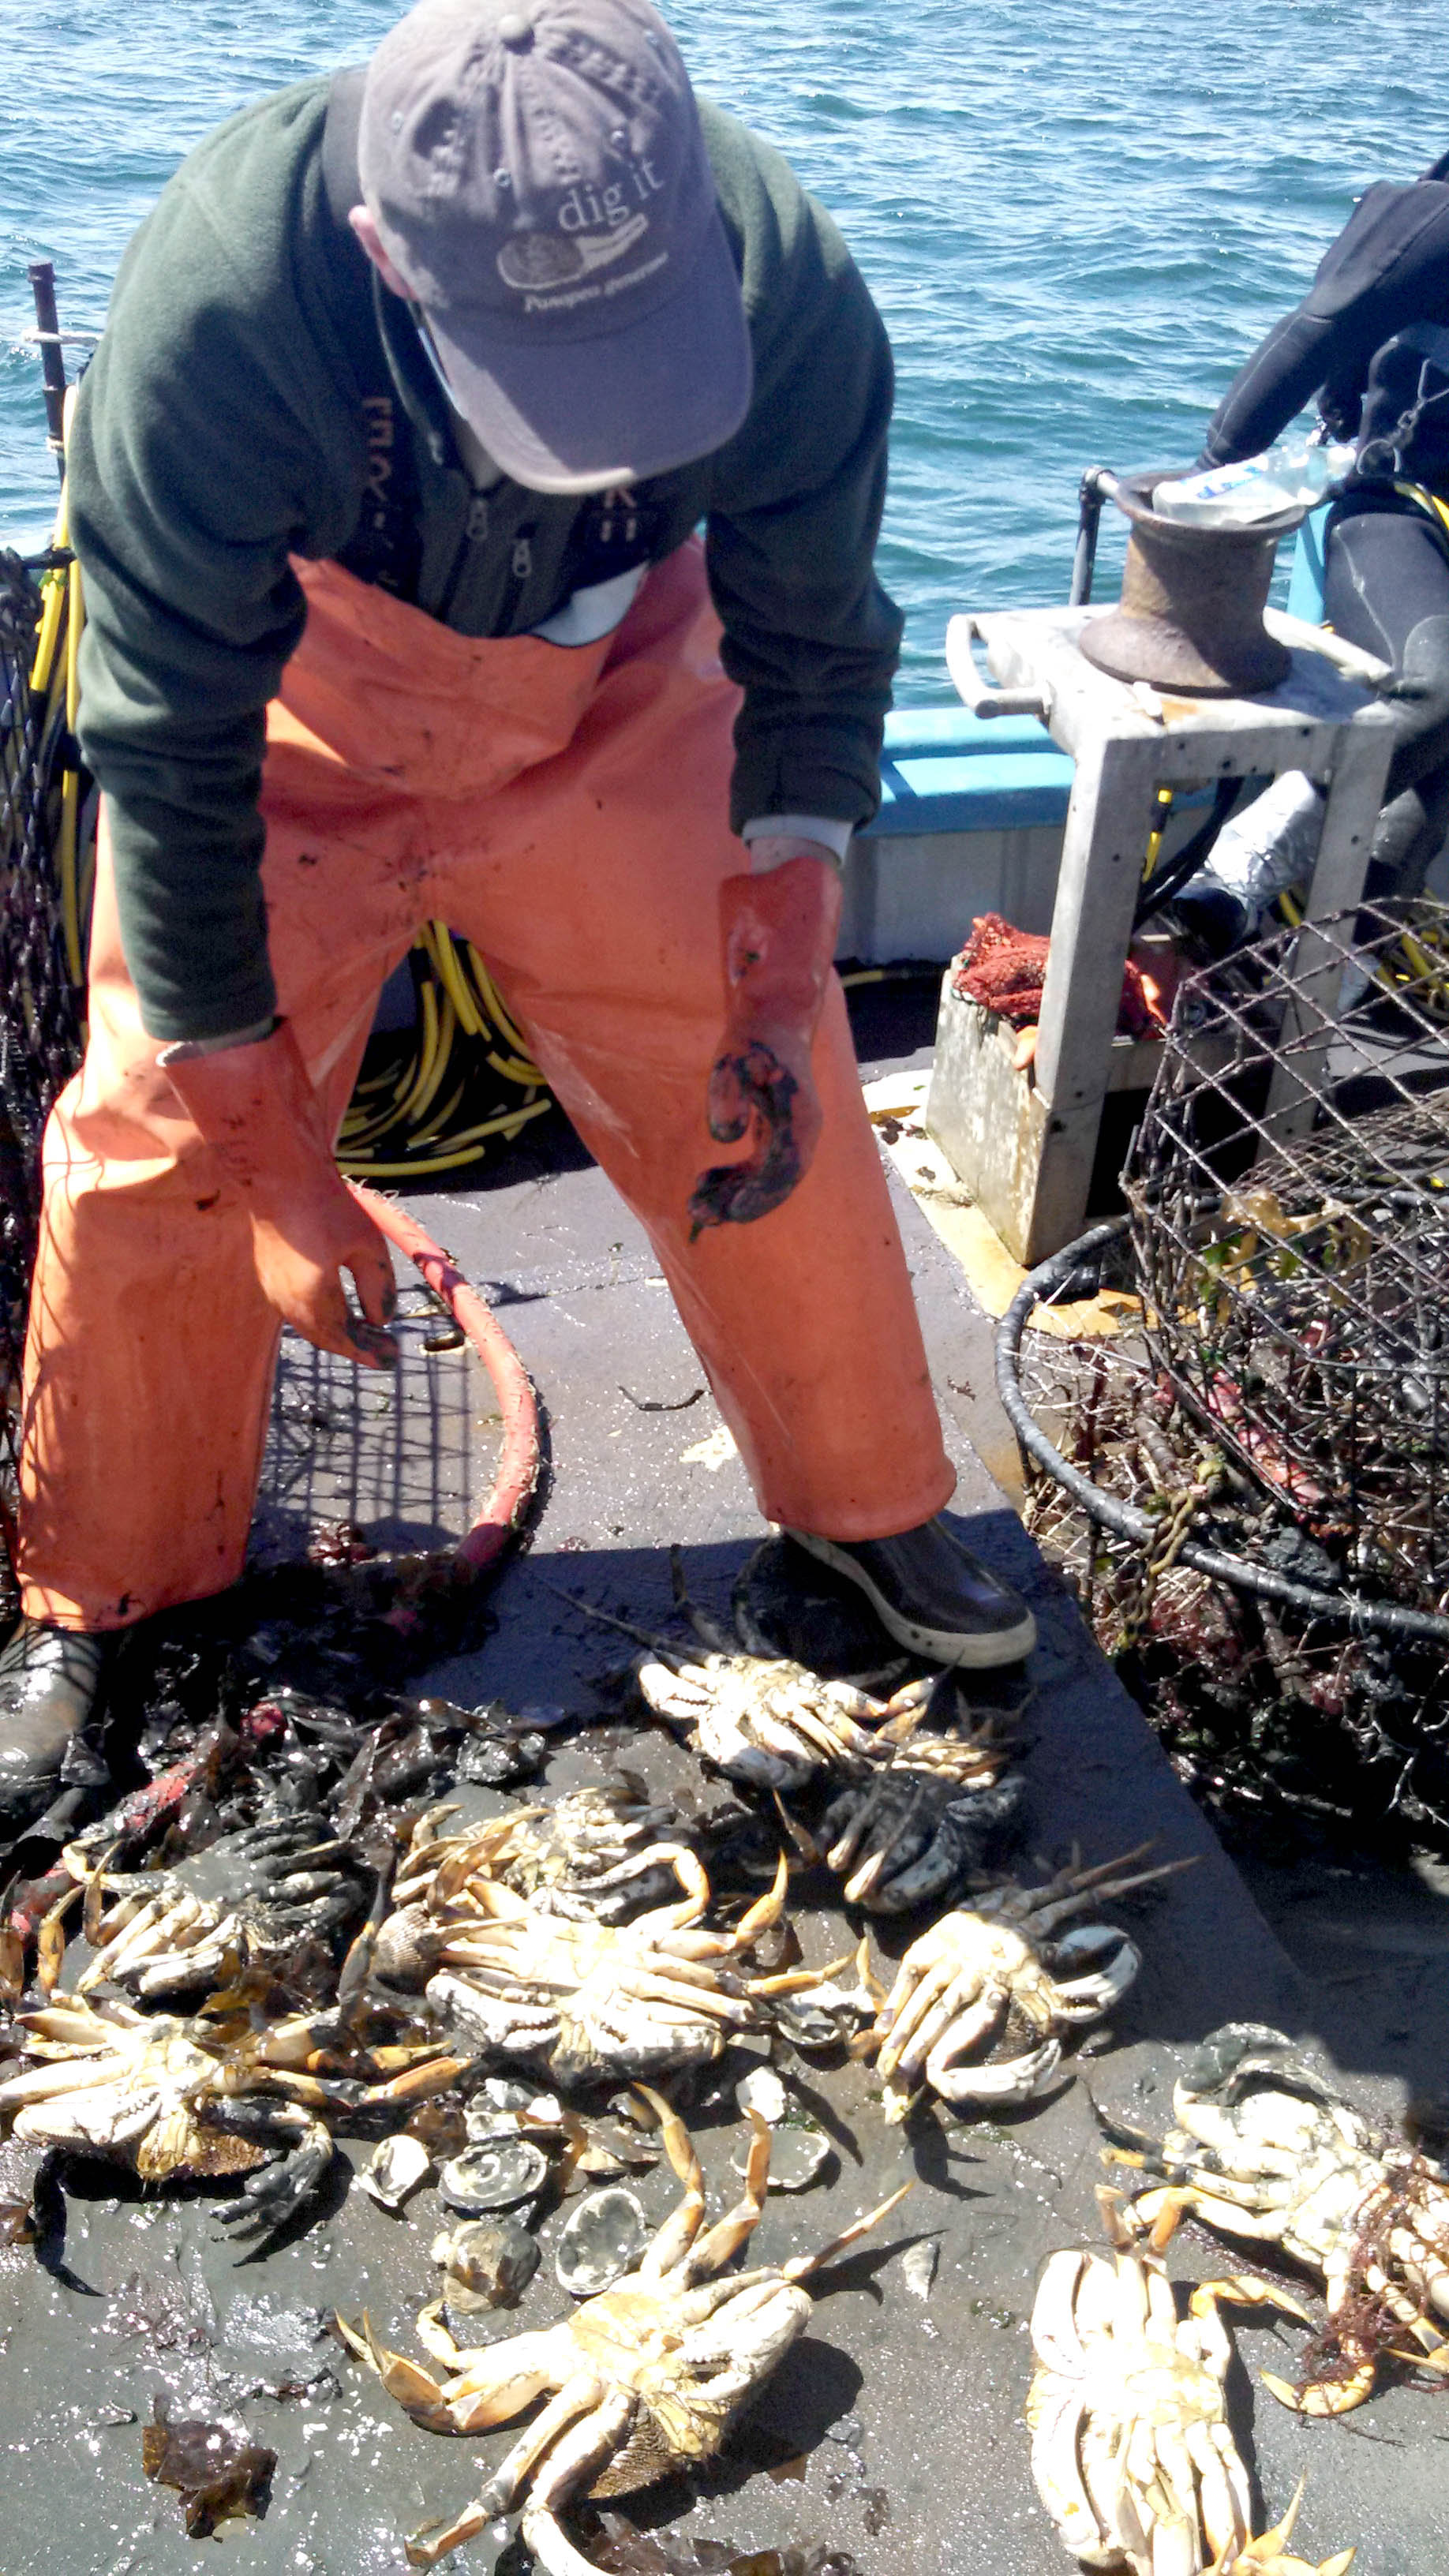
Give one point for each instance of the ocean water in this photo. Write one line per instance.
(1076, 215)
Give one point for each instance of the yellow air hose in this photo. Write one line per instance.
(53, 679)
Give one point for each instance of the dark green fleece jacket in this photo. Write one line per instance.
(259, 394)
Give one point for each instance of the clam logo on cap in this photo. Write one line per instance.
(534, 259)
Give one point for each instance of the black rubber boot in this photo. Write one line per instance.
(932, 1595)
(50, 1680)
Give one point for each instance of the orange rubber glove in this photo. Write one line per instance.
(257, 1110)
(778, 932)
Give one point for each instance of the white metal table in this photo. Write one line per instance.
(1023, 1143)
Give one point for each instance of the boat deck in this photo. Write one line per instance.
(892, 2435)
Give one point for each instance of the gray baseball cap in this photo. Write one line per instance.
(538, 175)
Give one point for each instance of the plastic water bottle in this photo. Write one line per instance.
(1293, 475)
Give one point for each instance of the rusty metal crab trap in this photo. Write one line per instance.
(1289, 1190)
(1249, 1484)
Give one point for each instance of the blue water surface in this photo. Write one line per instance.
(1076, 215)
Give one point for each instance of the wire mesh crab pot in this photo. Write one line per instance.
(1289, 1197)
(1281, 1696)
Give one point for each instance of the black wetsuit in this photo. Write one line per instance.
(1371, 339)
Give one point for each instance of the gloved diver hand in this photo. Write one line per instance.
(777, 930)
(257, 1110)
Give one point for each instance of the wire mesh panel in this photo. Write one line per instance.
(1289, 1190)
(40, 1025)
(40, 1029)
(1282, 1718)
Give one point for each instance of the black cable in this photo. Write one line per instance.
(1167, 881)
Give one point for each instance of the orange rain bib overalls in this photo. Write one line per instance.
(564, 808)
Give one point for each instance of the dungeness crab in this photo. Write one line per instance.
(1265, 2150)
(911, 1835)
(771, 1723)
(981, 1997)
(195, 2098)
(647, 2377)
(589, 2000)
(248, 1901)
(604, 1852)
(1132, 2452)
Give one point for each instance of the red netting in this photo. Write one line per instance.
(1004, 970)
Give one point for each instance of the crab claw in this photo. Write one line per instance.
(1267, 2555)
(415, 2390)
(274, 2194)
(1324, 2396)
(1245, 2290)
(434, 2540)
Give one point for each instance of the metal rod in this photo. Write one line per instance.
(1098, 485)
(41, 273)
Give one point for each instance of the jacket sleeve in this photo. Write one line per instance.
(195, 472)
(1388, 268)
(796, 499)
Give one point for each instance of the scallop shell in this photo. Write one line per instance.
(762, 2091)
(503, 2093)
(396, 2169)
(918, 2264)
(798, 2157)
(494, 2177)
(599, 2242)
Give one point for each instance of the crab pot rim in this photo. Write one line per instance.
(1357, 1611)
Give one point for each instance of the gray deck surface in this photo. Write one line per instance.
(893, 2432)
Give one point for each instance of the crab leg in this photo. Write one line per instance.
(578, 2396)
(44, 2083)
(576, 2460)
(712, 2250)
(688, 1868)
(1055, 2429)
(673, 2240)
(1225, 2507)
(955, 2016)
(804, 2264)
(864, 1881)
(766, 1910)
(136, 1926)
(1073, 1887)
(802, 1981)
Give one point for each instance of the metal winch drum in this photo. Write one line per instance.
(1191, 612)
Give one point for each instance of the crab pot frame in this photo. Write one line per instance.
(1277, 1694)
(1289, 1197)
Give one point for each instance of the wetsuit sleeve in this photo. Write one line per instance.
(200, 460)
(809, 634)
(1388, 268)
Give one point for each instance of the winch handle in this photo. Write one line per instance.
(971, 684)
